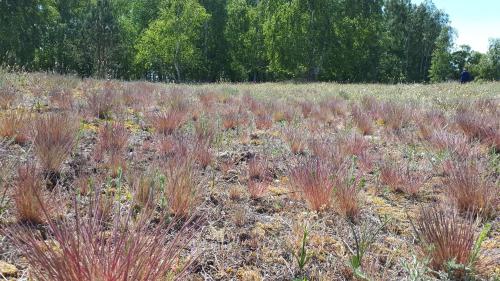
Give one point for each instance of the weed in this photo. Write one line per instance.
(363, 239)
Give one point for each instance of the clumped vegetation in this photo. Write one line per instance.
(109, 180)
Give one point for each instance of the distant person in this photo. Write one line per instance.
(465, 77)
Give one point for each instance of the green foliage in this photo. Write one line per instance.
(240, 40)
(363, 239)
(301, 256)
(168, 46)
(441, 67)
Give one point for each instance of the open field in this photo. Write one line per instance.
(109, 180)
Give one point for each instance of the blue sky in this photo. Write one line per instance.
(474, 20)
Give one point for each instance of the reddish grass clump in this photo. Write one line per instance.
(295, 139)
(257, 189)
(353, 144)
(362, 120)
(429, 122)
(203, 154)
(181, 189)
(263, 121)
(100, 103)
(395, 116)
(484, 127)
(87, 249)
(29, 196)
(454, 143)
(306, 107)
(258, 169)
(54, 139)
(113, 138)
(445, 237)
(167, 122)
(14, 125)
(347, 197)
(62, 98)
(313, 181)
(230, 120)
(400, 178)
(469, 187)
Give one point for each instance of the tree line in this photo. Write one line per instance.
(238, 40)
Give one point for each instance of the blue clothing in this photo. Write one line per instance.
(465, 77)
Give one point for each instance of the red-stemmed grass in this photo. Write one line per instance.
(181, 188)
(87, 248)
(481, 126)
(138, 95)
(306, 108)
(295, 139)
(399, 177)
(259, 176)
(144, 190)
(263, 121)
(395, 116)
(230, 119)
(442, 140)
(53, 140)
(257, 189)
(111, 144)
(353, 143)
(278, 111)
(429, 122)
(112, 139)
(331, 151)
(347, 193)
(445, 237)
(167, 146)
(15, 125)
(204, 129)
(471, 188)
(258, 169)
(372, 106)
(29, 196)
(166, 122)
(312, 180)
(62, 98)
(101, 102)
(336, 105)
(208, 99)
(362, 120)
(203, 154)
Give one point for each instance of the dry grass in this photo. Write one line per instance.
(313, 181)
(470, 188)
(30, 199)
(249, 183)
(53, 141)
(15, 125)
(181, 189)
(82, 250)
(445, 237)
(168, 121)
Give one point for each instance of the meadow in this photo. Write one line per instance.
(112, 181)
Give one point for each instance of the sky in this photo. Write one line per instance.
(475, 21)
